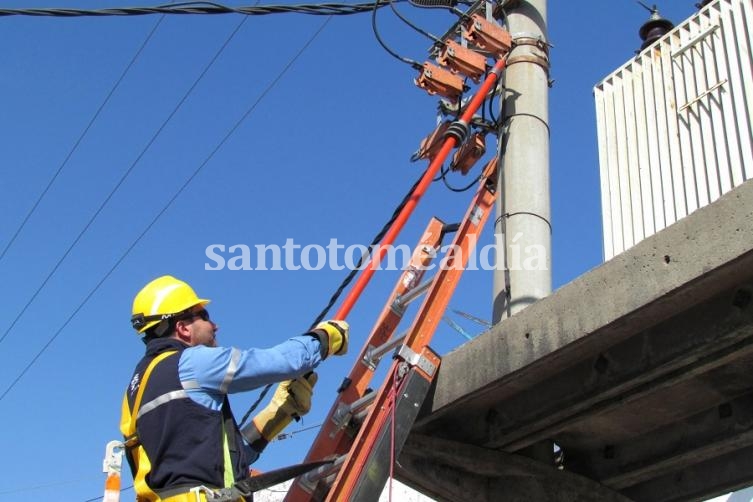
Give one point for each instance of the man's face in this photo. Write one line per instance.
(202, 330)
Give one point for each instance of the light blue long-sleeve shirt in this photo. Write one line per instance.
(209, 373)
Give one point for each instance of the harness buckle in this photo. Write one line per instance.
(198, 490)
(221, 495)
(131, 441)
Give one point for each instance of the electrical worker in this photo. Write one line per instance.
(182, 442)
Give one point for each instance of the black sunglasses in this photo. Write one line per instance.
(203, 314)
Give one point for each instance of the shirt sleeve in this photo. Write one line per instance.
(226, 370)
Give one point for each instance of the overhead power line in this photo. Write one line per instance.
(80, 138)
(323, 9)
(94, 499)
(121, 181)
(193, 175)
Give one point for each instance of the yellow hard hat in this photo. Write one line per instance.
(160, 300)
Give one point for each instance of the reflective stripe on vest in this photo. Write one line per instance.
(160, 400)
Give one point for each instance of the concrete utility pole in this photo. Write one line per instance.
(523, 229)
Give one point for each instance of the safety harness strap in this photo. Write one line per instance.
(142, 387)
(129, 429)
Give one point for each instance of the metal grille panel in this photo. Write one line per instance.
(674, 124)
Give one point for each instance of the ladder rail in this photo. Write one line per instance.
(332, 439)
(420, 333)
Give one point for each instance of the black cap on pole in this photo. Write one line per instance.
(655, 28)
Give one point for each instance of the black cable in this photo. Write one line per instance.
(414, 64)
(434, 4)
(505, 23)
(122, 179)
(168, 204)
(442, 172)
(287, 435)
(444, 4)
(490, 103)
(411, 24)
(344, 284)
(80, 138)
(460, 100)
(324, 9)
(459, 190)
(377, 238)
(255, 405)
(527, 213)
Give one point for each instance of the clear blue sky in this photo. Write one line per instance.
(324, 155)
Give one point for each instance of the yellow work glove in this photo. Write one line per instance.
(292, 399)
(333, 335)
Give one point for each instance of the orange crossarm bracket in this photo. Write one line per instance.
(449, 143)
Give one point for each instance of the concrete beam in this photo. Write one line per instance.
(457, 472)
(712, 335)
(712, 433)
(699, 482)
(672, 271)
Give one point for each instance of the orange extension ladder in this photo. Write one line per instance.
(365, 430)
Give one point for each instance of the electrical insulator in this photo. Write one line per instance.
(469, 153)
(462, 60)
(487, 36)
(431, 144)
(655, 28)
(437, 80)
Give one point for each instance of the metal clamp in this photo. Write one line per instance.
(309, 480)
(345, 411)
(402, 301)
(413, 358)
(372, 355)
(341, 417)
(113, 457)
(526, 39)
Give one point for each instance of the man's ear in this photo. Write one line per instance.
(182, 332)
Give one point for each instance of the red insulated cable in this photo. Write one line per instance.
(423, 185)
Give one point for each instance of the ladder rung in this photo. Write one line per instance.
(373, 354)
(360, 416)
(345, 412)
(405, 299)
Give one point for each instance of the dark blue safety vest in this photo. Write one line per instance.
(178, 442)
